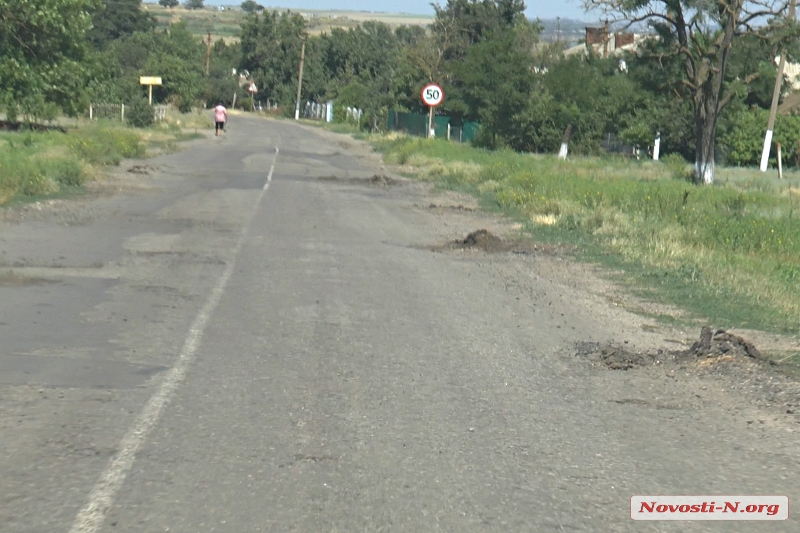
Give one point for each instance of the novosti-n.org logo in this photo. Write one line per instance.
(710, 507)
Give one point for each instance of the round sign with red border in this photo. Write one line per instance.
(432, 95)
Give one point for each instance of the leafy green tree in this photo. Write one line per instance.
(169, 4)
(176, 55)
(222, 83)
(702, 35)
(271, 44)
(42, 47)
(497, 80)
(194, 4)
(114, 19)
(251, 6)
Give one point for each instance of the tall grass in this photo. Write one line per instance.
(730, 252)
(36, 163)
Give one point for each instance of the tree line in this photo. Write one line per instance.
(706, 71)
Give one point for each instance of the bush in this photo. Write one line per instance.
(678, 167)
(140, 114)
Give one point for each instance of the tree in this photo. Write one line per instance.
(117, 18)
(193, 4)
(250, 6)
(169, 4)
(42, 47)
(497, 80)
(271, 44)
(702, 36)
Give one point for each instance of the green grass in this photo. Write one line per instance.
(52, 164)
(728, 253)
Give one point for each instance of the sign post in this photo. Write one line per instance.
(252, 89)
(149, 81)
(432, 96)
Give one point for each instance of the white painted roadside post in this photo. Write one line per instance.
(657, 146)
(780, 162)
(564, 150)
(432, 96)
(776, 93)
(149, 81)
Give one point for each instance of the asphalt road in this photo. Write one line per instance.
(238, 342)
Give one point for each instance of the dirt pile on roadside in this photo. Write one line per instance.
(611, 355)
(382, 180)
(483, 240)
(721, 343)
(713, 346)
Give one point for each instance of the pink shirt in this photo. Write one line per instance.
(220, 114)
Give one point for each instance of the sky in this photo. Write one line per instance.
(544, 9)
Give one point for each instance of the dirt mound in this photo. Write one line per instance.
(458, 207)
(712, 347)
(612, 356)
(721, 343)
(140, 169)
(482, 239)
(382, 179)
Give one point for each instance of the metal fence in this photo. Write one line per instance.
(107, 111)
(117, 112)
(317, 111)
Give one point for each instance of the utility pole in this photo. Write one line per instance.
(208, 52)
(558, 31)
(300, 78)
(605, 39)
(773, 110)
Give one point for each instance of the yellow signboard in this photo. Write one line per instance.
(149, 80)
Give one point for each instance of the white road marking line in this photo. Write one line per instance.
(90, 519)
(271, 169)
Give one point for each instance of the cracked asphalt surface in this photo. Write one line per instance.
(340, 376)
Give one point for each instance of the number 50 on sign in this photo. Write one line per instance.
(432, 95)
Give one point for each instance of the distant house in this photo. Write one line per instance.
(600, 42)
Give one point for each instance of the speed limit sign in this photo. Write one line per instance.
(432, 95)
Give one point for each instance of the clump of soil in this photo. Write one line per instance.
(712, 347)
(382, 179)
(483, 239)
(721, 343)
(140, 169)
(612, 356)
(458, 207)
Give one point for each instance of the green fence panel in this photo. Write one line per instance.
(440, 126)
(417, 124)
(470, 131)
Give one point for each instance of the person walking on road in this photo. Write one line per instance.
(220, 117)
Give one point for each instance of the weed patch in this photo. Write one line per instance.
(729, 252)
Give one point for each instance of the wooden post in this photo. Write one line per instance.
(150, 94)
(122, 113)
(233, 105)
(91, 116)
(300, 78)
(208, 53)
(780, 162)
(773, 110)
